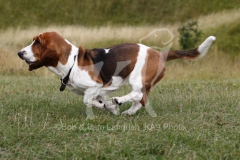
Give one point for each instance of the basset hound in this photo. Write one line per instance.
(97, 72)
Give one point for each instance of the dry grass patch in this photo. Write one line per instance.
(12, 40)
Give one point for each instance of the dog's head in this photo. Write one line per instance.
(47, 49)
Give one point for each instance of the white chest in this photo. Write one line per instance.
(80, 80)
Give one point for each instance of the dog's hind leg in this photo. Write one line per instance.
(132, 96)
(135, 107)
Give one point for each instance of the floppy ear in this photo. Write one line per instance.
(39, 42)
(41, 39)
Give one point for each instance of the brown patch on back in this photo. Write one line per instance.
(120, 61)
(49, 48)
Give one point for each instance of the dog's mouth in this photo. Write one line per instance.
(29, 62)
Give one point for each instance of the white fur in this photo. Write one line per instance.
(62, 70)
(203, 48)
(28, 53)
(106, 51)
(116, 81)
(135, 78)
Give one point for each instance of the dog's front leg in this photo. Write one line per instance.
(90, 100)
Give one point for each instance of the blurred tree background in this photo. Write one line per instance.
(25, 13)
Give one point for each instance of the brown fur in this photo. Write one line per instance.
(126, 53)
(49, 49)
(189, 54)
(85, 62)
(152, 73)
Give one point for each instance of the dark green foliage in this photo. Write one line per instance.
(189, 35)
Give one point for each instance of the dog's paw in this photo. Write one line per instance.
(102, 105)
(112, 107)
(128, 112)
(115, 110)
(115, 100)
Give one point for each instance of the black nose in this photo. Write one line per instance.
(20, 54)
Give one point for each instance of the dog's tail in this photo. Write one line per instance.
(198, 52)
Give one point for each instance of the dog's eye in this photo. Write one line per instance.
(37, 42)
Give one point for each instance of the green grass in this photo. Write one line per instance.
(197, 111)
(197, 119)
(27, 13)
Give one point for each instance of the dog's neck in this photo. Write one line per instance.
(62, 70)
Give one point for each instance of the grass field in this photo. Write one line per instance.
(196, 119)
(197, 103)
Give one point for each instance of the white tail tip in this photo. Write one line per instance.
(203, 48)
(212, 38)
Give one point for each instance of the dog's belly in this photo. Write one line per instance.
(78, 90)
(115, 84)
